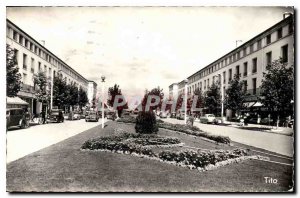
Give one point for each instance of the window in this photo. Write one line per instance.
(259, 44)
(207, 83)
(24, 78)
(268, 58)
(290, 28)
(40, 52)
(238, 55)
(26, 43)
(36, 49)
(224, 77)
(32, 65)
(237, 69)
(21, 40)
(245, 51)
(40, 66)
(31, 47)
(254, 86)
(269, 39)
(200, 85)
(284, 53)
(204, 84)
(45, 68)
(17, 55)
(245, 68)
(15, 35)
(279, 33)
(251, 48)
(230, 75)
(254, 65)
(24, 61)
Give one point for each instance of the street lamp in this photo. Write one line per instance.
(222, 96)
(185, 100)
(103, 81)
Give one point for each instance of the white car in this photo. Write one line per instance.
(208, 118)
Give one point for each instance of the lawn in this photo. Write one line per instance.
(64, 167)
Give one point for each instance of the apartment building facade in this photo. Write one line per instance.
(249, 60)
(92, 91)
(32, 58)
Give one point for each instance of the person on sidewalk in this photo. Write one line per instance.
(43, 116)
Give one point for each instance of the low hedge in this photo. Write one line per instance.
(190, 130)
(193, 130)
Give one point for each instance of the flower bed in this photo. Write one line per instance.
(193, 130)
(138, 144)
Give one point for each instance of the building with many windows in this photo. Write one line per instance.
(33, 57)
(249, 60)
(92, 91)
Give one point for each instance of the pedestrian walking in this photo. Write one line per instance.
(43, 116)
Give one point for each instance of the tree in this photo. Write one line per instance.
(13, 77)
(83, 99)
(94, 101)
(212, 99)
(59, 92)
(236, 94)
(200, 98)
(277, 89)
(112, 93)
(41, 85)
(154, 92)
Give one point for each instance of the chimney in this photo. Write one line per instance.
(42, 42)
(286, 14)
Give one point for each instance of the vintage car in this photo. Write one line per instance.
(173, 115)
(163, 114)
(180, 116)
(92, 116)
(73, 115)
(112, 115)
(16, 117)
(208, 118)
(56, 115)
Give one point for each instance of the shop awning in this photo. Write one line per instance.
(249, 104)
(257, 104)
(15, 101)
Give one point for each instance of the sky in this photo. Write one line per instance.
(141, 48)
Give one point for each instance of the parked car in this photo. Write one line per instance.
(173, 115)
(77, 115)
(16, 117)
(112, 115)
(92, 116)
(180, 116)
(163, 114)
(56, 115)
(208, 118)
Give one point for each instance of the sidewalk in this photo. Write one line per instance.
(21, 142)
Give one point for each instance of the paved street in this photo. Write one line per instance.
(21, 142)
(277, 143)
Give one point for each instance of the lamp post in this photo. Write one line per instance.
(51, 93)
(222, 96)
(103, 81)
(185, 100)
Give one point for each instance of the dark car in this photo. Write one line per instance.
(16, 117)
(56, 115)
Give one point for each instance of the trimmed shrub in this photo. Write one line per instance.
(146, 123)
